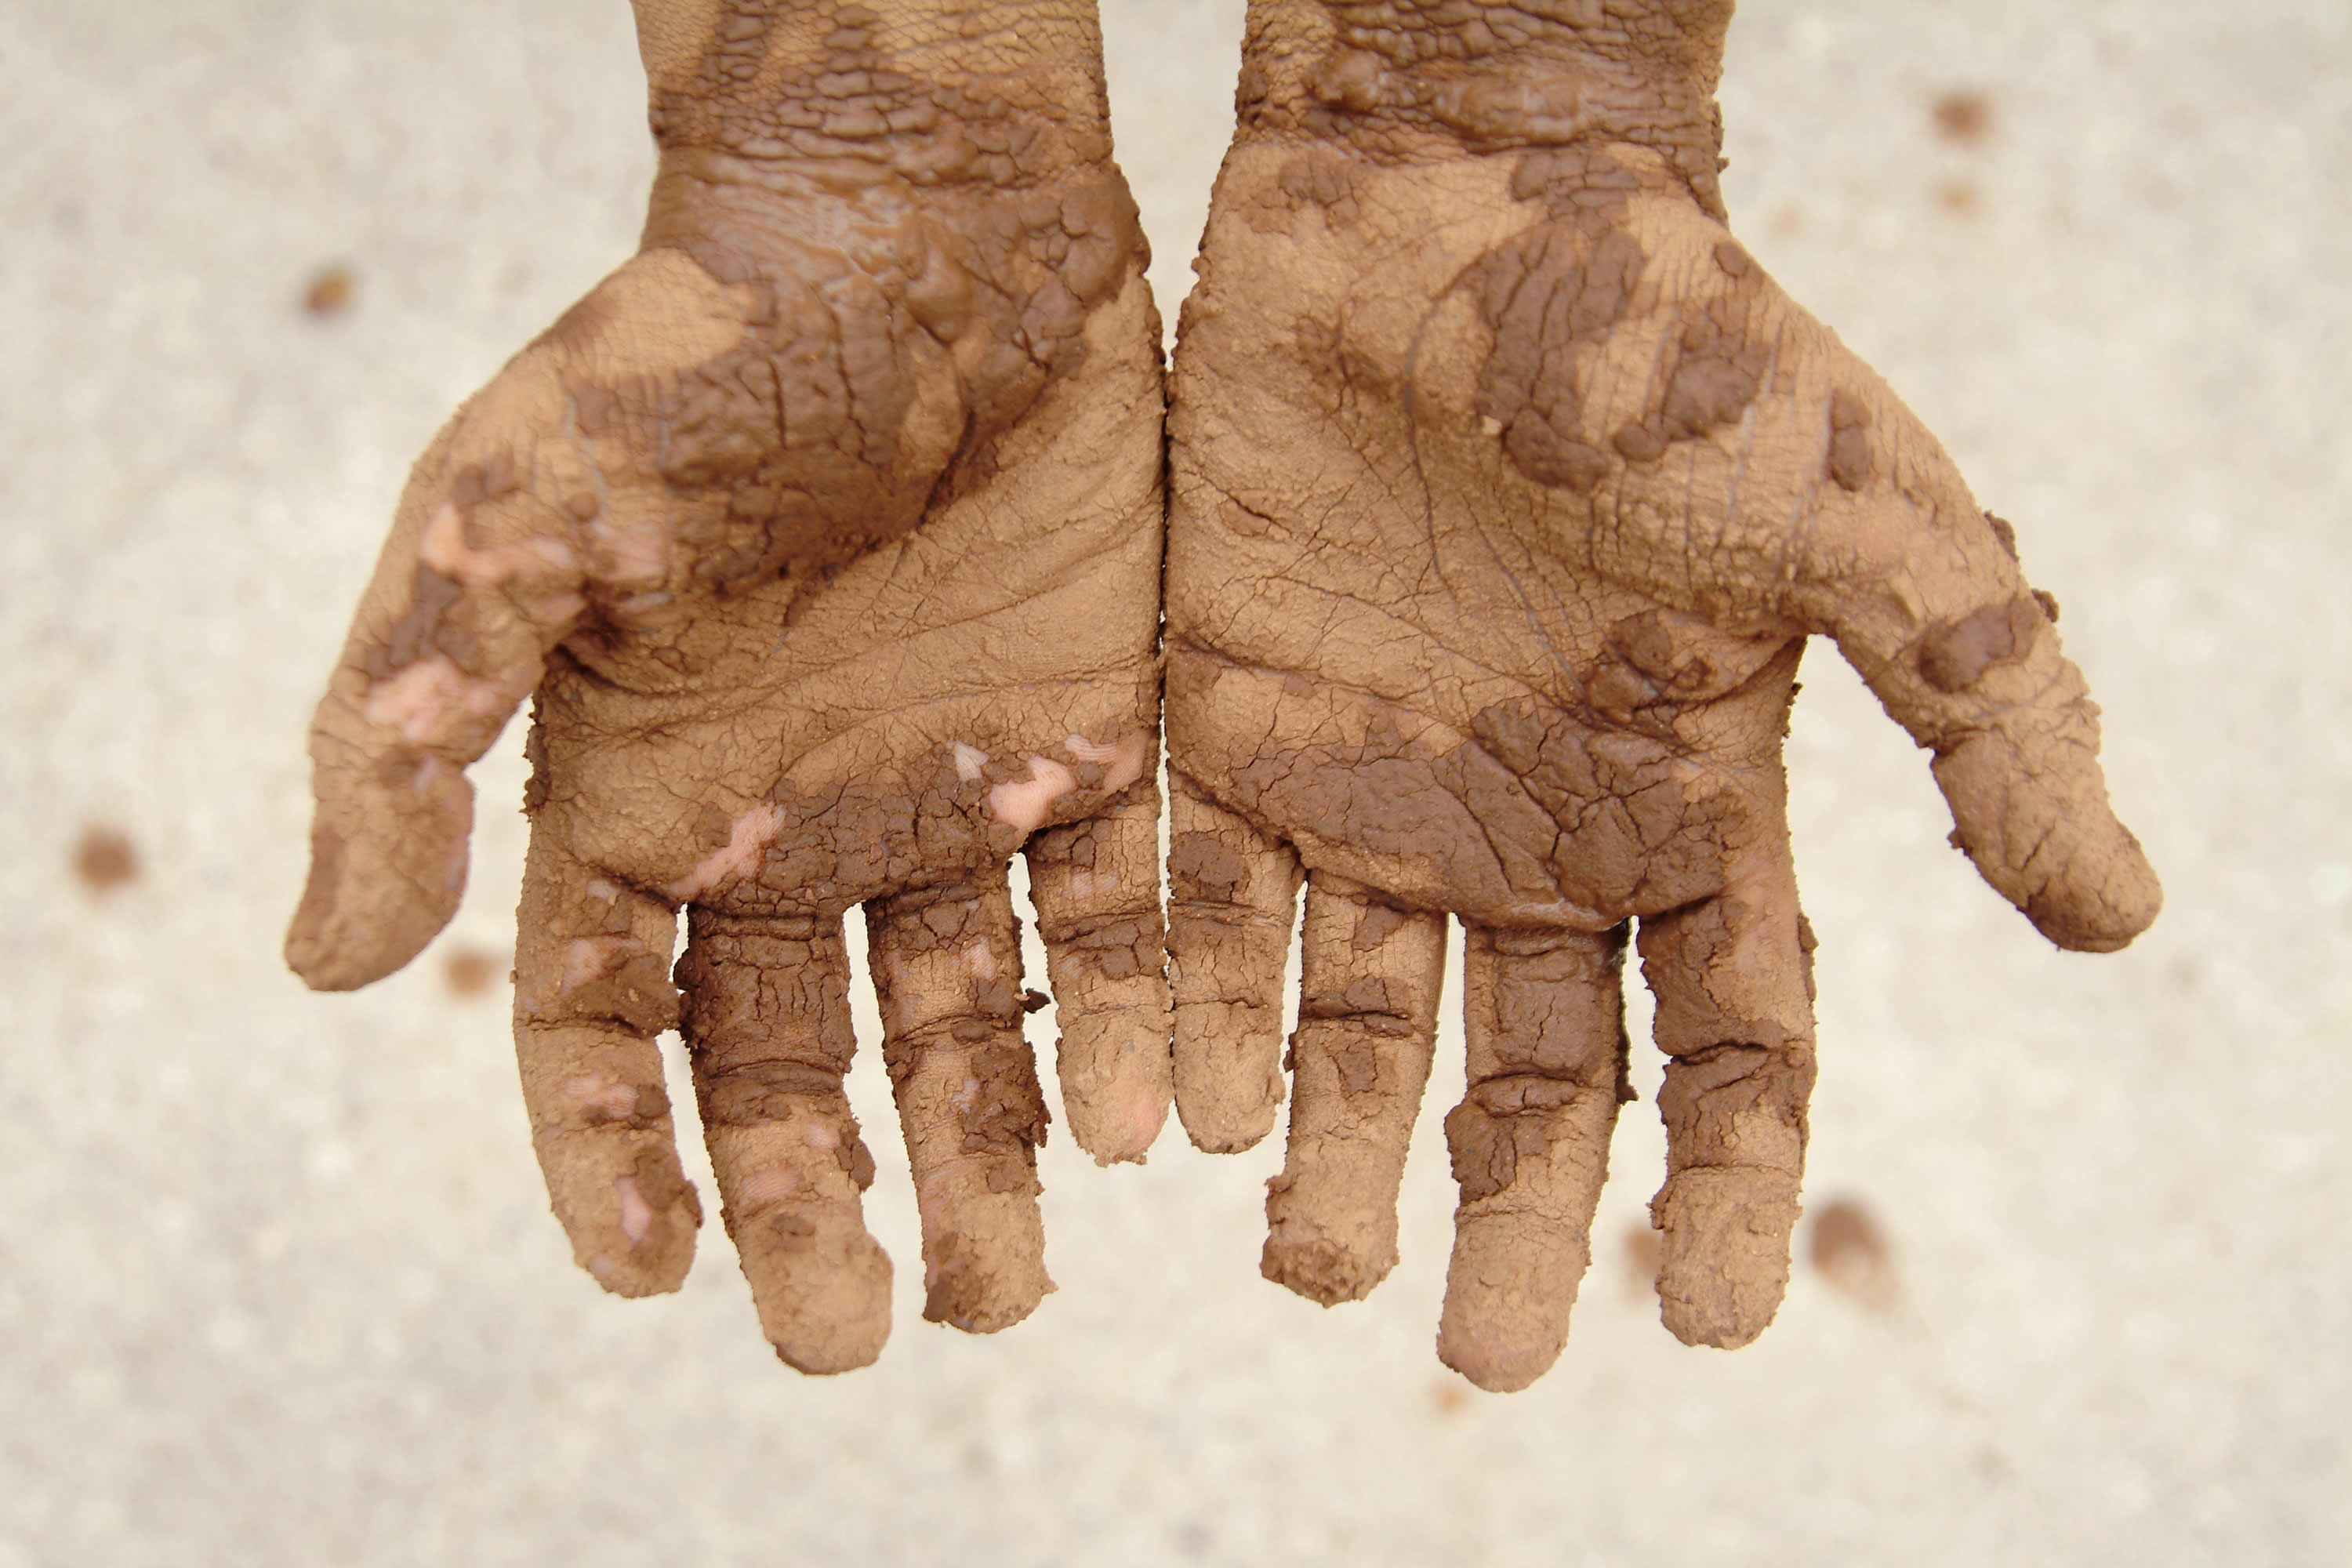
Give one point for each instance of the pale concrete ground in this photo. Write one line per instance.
(276, 1283)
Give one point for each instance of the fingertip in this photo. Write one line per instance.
(1307, 1259)
(1228, 1089)
(830, 1357)
(1116, 1086)
(388, 868)
(824, 1299)
(1714, 1313)
(986, 1283)
(1496, 1364)
(311, 955)
(1213, 1134)
(645, 1245)
(1705, 1326)
(1509, 1294)
(2104, 907)
(337, 941)
(2044, 837)
(1725, 1263)
(1120, 1129)
(1324, 1273)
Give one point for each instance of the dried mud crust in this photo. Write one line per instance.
(826, 538)
(1505, 490)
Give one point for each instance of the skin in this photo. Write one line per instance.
(1506, 490)
(824, 536)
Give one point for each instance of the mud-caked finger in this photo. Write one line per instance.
(947, 968)
(1369, 975)
(478, 581)
(1733, 979)
(1097, 888)
(1927, 599)
(1543, 1015)
(592, 992)
(1232, 906)
(766, 1019)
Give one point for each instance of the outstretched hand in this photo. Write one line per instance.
(825, 537)
(1506, 490)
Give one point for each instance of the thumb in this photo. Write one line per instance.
(1922, 592)
(506, 521)
(478, 581)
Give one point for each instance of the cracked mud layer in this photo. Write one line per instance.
(824, 537)
(1507, 488)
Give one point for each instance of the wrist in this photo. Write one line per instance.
(1003, 93)
(1414, 79)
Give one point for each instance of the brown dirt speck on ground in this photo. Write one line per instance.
(1962, 114)
(104, 858)
(330, 292)
(469, 971)
(1959, 198)
(1644, 1249)
(1448, 1397)
(1850, 1249)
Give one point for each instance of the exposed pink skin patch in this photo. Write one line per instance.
(603, 889)
(1133, 755)
(1124, 759)
(592, 958)
(983, 961)
(444, 548)
(1754, 955)
(1088, 884)
(932, 1189)
(747, 845)
(636, 1214)
(969, 1095)
(1023, 804)
(1140, 1113)
(427, 699)
(768, 1185)
(820, 1136)
(428, 774)
(969, 761)
(597, 1092)
(628, 555)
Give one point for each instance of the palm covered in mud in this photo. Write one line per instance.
(832, 567)
(1506, 491)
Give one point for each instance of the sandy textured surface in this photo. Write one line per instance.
(277, 1279)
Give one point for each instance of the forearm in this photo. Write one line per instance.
(1418, 77)
(1008, 92)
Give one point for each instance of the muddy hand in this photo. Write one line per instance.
(1506, 491)
(826, 535)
